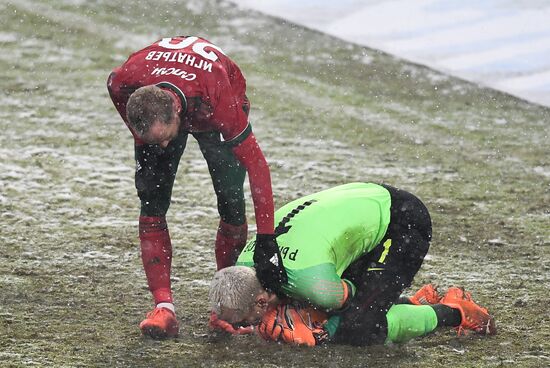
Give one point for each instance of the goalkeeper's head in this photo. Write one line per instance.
(237, 296)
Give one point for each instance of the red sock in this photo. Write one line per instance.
(156, 254)
(230, 240)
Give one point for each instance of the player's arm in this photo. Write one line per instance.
(320, 286)
(267, 258)
(238, 134)
(295, 325)
(250, 155)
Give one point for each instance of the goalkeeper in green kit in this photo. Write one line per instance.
(349, 252)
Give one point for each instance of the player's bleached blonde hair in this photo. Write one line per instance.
(234, 287)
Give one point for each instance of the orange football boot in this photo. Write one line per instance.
(160, 323)
(474, 317)
(426, 295)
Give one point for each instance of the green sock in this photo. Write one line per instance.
(332, 324)
(406, 322)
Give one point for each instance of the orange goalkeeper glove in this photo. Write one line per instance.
(294, 325)
(219, 324)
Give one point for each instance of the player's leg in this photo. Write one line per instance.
(408, 212)
(470, 316)
(457, 309)
(406, 322)
(410, 230)
(154, 178)
(383, 274)
(379, 285)
(227, 178)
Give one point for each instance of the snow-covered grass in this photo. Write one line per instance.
(325, 112)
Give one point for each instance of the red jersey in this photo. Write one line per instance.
(213, 85)
(212, 88)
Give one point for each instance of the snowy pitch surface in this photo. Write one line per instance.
(325, 112)
(504, 44)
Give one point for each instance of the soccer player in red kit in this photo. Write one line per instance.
(175, 87)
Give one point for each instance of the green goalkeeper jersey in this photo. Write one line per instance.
(321, 234)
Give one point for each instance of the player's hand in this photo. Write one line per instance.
(294, 325)
(219, 324)
(268, 263)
